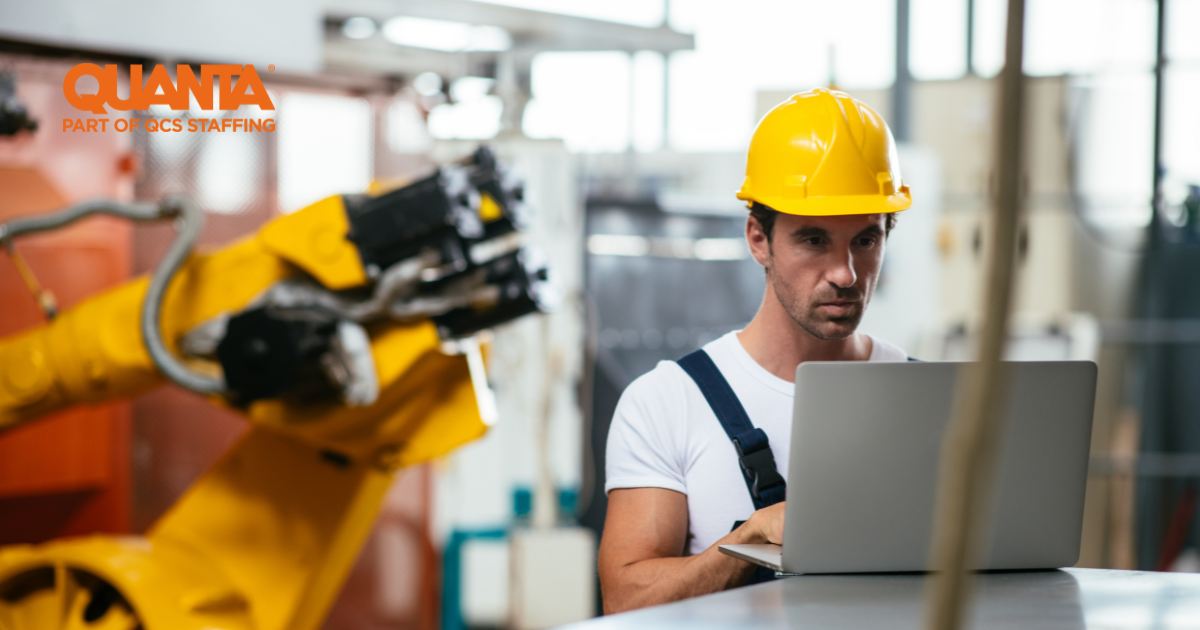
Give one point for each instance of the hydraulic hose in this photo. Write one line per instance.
(190, 224)
(43, 223)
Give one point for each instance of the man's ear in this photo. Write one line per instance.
(760, 245)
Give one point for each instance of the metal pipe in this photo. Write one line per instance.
(970, 37)
(666, 83)
(971, 444)
(1160, 62)
(1153, 304)
(902, 87)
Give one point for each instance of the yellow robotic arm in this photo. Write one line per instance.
(327, 330)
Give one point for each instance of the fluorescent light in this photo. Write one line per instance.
(476, 120)
(358, 27)
(617, 245)
(424, 33)
(670, 247)
(721, 249)
(470, 89)
(673, 247)
(489, 38)
(427, 83)
(445, 35)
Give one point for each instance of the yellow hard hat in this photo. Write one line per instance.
(824, 153)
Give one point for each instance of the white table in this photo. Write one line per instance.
(1051, 600)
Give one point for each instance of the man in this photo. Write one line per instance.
(690, 449)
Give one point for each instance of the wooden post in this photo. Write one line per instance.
(970, 447)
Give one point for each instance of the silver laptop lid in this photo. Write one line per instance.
(866, 440)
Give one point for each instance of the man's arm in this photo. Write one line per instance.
(641, 561)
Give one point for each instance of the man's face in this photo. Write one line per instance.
(823, 269)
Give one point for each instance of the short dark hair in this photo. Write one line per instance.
(766, 215)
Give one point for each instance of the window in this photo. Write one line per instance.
(325, 147)
(937, 41)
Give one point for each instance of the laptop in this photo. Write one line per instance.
(863, 467)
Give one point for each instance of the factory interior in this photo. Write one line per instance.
(416, 460)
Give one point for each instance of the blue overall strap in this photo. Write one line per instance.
(766, 485)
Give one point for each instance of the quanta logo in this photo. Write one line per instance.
(239, 85)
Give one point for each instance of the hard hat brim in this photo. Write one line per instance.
(836, 206)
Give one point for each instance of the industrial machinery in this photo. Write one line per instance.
(342, 332)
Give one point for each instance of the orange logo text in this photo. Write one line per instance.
(239, 85)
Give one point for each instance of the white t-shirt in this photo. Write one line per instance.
(665, 435)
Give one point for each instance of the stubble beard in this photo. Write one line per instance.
(807, 315)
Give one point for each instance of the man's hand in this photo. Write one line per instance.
(641, 560)
(766, 524)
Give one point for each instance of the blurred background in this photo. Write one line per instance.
(629, 121)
